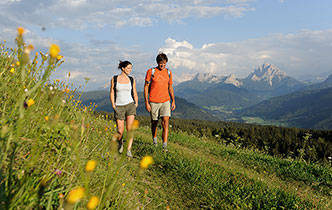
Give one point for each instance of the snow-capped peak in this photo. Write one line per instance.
(267, 72)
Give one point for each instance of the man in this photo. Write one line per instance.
(158, 91)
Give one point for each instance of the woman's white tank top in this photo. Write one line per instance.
(123, 94)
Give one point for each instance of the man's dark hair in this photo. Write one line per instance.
(161, 57)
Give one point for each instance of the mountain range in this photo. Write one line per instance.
(221, 95)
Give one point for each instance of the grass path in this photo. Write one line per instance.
(202, 174)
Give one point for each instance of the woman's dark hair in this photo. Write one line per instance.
(161, 57)
(123, 64)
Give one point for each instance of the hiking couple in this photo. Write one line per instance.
(158, 91)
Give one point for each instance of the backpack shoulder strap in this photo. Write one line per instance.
(132, 87)
(115, 80)
(169, 72)
(152, 71)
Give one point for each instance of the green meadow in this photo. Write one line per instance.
(56, 153)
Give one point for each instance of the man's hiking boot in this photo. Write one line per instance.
(165, 147)
(129, 154)
(120, 146)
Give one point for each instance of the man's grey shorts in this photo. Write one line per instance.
(160, 110)
(121, 112)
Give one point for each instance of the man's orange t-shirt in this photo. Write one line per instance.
(159, 92)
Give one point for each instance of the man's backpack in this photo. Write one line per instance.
(115, 80)
(154, 69)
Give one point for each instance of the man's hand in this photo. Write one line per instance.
(173, 106)
(148, 107)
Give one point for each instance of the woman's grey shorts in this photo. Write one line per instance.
(121, 112)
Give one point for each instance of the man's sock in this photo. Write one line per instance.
(164, 145)
(155, 140)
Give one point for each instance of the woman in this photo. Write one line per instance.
(124, 99)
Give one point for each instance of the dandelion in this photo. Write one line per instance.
(114, 125)
(17, 63)
(66, 90)
(146, 161)
(123, 184)
(20, 30)
(106, 128)
(90, 165)
(30, 102)
(75, 195)
(59, 57)
(46, 118)
(93, 202)
(54, 50)
(12, 70)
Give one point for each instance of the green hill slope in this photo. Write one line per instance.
(306, 109)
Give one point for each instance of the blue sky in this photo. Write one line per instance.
(219, 37)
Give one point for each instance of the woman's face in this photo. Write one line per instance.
(162, 65)
(127, 70)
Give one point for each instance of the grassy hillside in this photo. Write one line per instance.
(305, 109)
(56, 154)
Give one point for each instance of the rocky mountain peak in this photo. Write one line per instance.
(328, 80)
(207, 77)
(231, 79)
(267, 72)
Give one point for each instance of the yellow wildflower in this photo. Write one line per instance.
(93, 202)
(75, 195)
(135, 125)
(146, 161)
(123, 184)
(12, 70)
(54, 50)
(20, 30)
(59, 57)
(17, 63)
(30, 102)
(90, 165)
(114, 125)
(37, 54)
(66, 90)
(46, 118)
(30, 47)
(106, 128)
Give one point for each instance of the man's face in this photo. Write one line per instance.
(162, 65)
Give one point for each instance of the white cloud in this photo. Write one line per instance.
(296, 54)
(77, 14)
